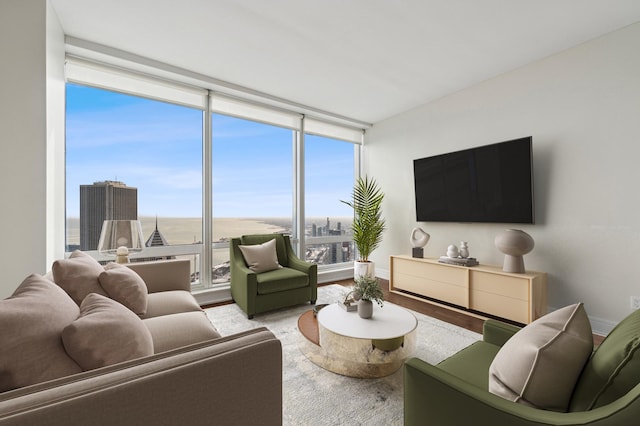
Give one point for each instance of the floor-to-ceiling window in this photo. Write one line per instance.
(143, 151)
(329, 173)
(252, 183)
(205, 167)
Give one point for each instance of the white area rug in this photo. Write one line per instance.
(314, 396)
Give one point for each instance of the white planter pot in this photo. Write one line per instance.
(361, 269)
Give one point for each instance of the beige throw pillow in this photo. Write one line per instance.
(78, 275)
(106, 333)
(261, 257)
(31, 322)
(540, 365)
(125, 286)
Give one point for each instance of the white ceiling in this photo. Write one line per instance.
(364, 59)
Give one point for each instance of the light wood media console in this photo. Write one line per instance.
(476, 290)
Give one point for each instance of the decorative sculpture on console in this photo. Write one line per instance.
(418, 240)
(514, 243)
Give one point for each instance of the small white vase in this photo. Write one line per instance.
(464, 249)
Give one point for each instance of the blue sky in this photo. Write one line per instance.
(157, 147)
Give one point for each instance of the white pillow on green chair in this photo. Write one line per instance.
(540, 365)
(261, 257)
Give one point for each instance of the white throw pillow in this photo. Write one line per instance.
(540, 365)
(261, 257)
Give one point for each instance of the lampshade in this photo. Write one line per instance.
(121, 233)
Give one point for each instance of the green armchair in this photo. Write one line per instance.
(455, 391)
(295, 283)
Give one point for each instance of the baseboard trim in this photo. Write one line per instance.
(213, 296)
(601, 326)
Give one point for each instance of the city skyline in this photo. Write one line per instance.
(157, 147)
(180, 230)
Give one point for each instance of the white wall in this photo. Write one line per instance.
(31, 67)
(582, 108)
(55, 139)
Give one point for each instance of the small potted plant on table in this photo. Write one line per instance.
(367, 290)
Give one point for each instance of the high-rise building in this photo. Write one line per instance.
(108, 200)
(156, 238)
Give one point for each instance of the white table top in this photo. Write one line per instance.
(388, 322)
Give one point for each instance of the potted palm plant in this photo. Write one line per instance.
(368, 224)
(367, 290)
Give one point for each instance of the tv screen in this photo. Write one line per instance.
(492, 183)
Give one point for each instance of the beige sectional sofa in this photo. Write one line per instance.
(173, 317)
(175, 370)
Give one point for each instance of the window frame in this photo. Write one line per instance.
(347, 133)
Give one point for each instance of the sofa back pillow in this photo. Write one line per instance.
(105, 333)
(281, 247)
(124, 285)
(614, 368)
(540, 365)
(32, 321)
(78, 275)
(261, 257)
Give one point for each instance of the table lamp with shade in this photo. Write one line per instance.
(119, 238)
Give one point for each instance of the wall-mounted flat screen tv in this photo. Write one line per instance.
(492, 183)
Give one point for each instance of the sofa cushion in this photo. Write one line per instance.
(281, 247)
(106, 333)
(125, 286)
(78, 275)
(32, 320)
(261, 257)
(170, 302)
(614, 368)
(177, 330)
(164, 275)
(540, 364)
(281, 280)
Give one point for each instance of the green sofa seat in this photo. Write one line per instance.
(281, 280)
(476, 373)
(295, 283)
(455, 392)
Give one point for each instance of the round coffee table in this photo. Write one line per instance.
(365, 348)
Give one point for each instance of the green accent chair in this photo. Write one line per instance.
(295, 283)
(455, 392)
